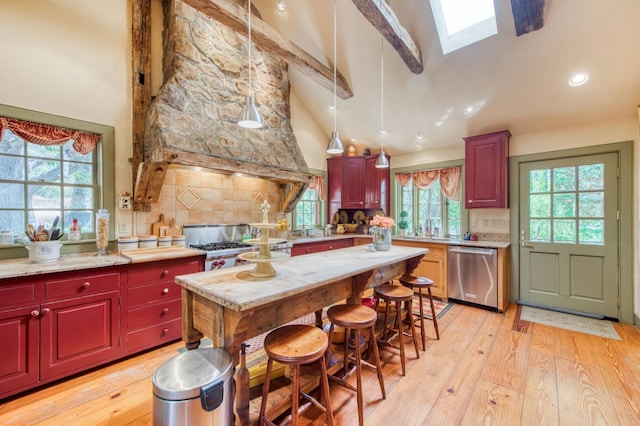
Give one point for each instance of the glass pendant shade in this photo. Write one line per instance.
(250, 117)
(382, 162)
(335, 144)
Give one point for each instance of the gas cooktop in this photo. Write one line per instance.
(220, 245)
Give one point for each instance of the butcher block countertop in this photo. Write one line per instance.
(235, 288)
(13, 268)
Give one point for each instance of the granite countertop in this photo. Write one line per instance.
(447, 241)
(14, 268)
(236, 289)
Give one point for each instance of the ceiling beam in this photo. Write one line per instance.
(380, 15)
(228, 13)
(528, 15)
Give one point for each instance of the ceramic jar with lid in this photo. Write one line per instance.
(146, 241)
(127, 242)
(178, 240)
(165, 240)
(6, 237)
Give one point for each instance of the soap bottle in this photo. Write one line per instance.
(74, 231)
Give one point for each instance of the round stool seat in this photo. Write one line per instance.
(394, 293)
(413, 281)
(352, 316)
(296, 344)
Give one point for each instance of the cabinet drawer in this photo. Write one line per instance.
(163, 291)
(162, 272)
(82, 285)
(153, 314)
(17, 295)
(154, 335)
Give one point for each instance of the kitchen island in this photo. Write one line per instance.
(230, 306)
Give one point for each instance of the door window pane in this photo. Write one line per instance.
(564, 205)
(540, 205)
(591, 231)
(540, 230)
(539, 181)
(564, 231)
(591, 177)
(564, 179)
(591, 204)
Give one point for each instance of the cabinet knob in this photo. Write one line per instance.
(165, 290)
(330, 247)
(165, 311)
(86, 284)
(45, 310)
(165, 331)
(165, 273)
(470, 201)
(35, 313)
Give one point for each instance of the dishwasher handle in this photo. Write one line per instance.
(472, 250)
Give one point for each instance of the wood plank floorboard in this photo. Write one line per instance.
(488, 368)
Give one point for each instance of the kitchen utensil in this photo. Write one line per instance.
(55, 234)
(31, 232)
(155, 227)
(55, 224)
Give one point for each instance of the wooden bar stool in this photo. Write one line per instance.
(295, 345)
(354, 318)
(398, 294)
(414, 282)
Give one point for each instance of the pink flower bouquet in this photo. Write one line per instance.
(382, 222)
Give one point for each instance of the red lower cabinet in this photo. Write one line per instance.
(78, 333)
(19, 334)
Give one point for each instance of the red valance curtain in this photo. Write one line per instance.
(318, 184)
(45, 134)
(449, 180)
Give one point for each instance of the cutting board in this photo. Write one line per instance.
(172, 230)
(155, 227)
(159, 253)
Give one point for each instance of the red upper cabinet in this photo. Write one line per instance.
(355, 183)
(487, 170)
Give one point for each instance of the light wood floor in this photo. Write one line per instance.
(482, 371)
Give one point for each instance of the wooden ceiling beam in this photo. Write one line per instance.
(380, 15)
(228, 13)
(528, 15)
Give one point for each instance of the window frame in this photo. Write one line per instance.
(322, 208)
(105, 173)
(396, 196)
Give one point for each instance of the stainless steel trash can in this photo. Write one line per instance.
(194, 388)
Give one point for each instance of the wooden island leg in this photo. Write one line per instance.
(190, 335)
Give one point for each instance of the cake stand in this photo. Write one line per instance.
(264, 256)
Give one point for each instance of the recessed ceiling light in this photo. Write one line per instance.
(419, 136)
(578, 79)
(331, 107)
(439, 123)
(353, 139)
(281, 5)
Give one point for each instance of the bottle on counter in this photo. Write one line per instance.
(102, 231)
(74, 231)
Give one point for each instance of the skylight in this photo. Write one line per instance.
(463, 22)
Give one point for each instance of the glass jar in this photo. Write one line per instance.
(102, 231)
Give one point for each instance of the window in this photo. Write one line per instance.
(463, 22)
(430, 211)
(308, 211)
(42, 182)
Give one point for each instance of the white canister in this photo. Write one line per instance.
(43, 251)
(6, 237)
(127, 242)
(178, 240)
(164, 241)
(146, 241)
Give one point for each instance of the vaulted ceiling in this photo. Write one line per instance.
(515, 82)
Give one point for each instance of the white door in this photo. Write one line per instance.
(569, 234)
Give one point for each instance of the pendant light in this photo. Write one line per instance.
(382, 162)
(250, 117)
(335, 144)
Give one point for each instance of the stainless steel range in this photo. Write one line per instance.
(223, 243)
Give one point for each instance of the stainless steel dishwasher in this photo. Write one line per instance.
(473, 275)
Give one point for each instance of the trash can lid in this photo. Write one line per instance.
(182, 376)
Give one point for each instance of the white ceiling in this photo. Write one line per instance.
(518, 83)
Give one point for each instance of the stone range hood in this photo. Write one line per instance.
(192, 121)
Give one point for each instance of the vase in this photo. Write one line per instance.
(382, 239)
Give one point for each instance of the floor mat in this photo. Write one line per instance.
(440, 307)
(571, 322)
